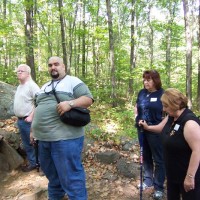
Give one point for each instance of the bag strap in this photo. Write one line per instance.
(54, 92)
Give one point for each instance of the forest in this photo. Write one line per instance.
(107, 44)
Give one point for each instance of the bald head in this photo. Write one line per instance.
(60, 60)
(56, 67)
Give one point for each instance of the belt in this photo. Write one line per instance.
(22, 118)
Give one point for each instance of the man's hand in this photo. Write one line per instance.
(32, 138)
(28, 119)
(63, 107)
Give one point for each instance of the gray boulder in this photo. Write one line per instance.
(13, 139)
(4, 165)
(128, 169)
(7, 93)
(9, 157)
(108, 157)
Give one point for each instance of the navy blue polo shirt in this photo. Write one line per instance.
(149, 106)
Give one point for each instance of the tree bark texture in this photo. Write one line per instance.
(62, 27)
(83, 43)
(29, 37)
(132, 53)
(111, 50)
(198, 86)
(188, 37)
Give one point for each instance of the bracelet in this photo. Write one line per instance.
(189, 175)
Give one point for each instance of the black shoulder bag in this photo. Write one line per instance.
(77, 116)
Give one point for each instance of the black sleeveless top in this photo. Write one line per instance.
(177, 152)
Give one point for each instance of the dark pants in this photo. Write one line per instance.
(154, 170)
(176, 190)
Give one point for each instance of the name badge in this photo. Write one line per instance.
(153, 99)
(176, 127)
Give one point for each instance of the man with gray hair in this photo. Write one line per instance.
(24, 110)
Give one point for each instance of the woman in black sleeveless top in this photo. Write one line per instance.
(180, 132)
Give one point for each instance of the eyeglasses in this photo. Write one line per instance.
(20, 71)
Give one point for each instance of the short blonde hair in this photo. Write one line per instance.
(27, 68)
(174, 99)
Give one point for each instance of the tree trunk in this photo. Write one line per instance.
(111, 49)
(188, 36)
(83, 42)
(5, 42)
(132, 53)
(168, 54)
(171, 8)
(95, 45)
(4, 9)
(62, 27)
(198, 87)
(150, 38)
(78, 52)
(71, 37)
(29, 37)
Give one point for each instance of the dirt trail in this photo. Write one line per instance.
(17, 183)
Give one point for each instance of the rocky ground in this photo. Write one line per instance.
(103, 183)
(23, 186)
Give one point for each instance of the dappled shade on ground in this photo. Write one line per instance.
(103, 180)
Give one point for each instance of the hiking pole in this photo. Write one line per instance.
(141, 160)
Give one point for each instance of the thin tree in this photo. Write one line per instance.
(29, 4)
(188, 37)
(72, 26)
(5, 39)
(150, 36)
(111, 50)
(198, 87)
(132, 53)
(172, 7)
(83, 42)
(62, 27)
(96, 45)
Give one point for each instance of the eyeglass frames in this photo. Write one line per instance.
(21, 71)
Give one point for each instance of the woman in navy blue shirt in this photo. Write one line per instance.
(149, 108)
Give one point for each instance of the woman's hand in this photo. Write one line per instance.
(188, 183)
(144, 124)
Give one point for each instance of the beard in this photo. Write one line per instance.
(54, 74)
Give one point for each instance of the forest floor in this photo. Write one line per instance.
(103, 180)
(15, 184)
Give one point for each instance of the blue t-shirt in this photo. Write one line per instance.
(149, 106)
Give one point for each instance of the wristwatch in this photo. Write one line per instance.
(71, 104)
